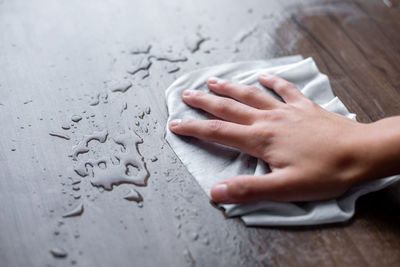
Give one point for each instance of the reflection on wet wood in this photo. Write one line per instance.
(60, 59)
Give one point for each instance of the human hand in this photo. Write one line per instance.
(312, 153)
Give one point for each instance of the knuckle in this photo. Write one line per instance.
(272, 115)
(195, 98)
(214, 126)
(290, 85)
(266, 133)
(260, 139)
(283, 85)
(308, 104)
(250, 92)
(223, 105)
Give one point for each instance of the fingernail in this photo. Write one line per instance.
(188, 92)
(174, 123)
(220, 193)
(265, 76)
(214, 80)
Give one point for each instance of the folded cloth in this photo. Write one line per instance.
(211, 163)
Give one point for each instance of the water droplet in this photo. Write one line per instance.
(74, 182)
(95, 101)
(170, 60)
(121, 86)
(60, 135)
(121, 172)
(133, 195)
(105, 98)
(65, 126)
(173, 69)
(82, 146)
(81, 170)
(76, 118)
(77, 211)
(143, 65)
(195, 236)
(58, 253)
(193, 43)
(142, 50)
(124, 107)
(189, 258)
(206, 241)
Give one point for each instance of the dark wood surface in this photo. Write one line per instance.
(57, 56)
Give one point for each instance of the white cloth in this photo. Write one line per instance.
(212, 163)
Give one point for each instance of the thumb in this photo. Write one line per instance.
(248, 188)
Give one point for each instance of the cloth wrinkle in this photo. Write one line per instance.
(212, 163)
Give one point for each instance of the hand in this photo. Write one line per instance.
(313, 154)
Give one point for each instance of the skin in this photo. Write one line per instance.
(313, 154)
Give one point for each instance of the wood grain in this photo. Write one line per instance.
(57, 56)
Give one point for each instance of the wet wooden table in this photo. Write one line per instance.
(61, 58)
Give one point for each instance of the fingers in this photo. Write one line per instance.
(222, 107)
(247, 188)
(285, 89)
(221, 132)
(249, 95)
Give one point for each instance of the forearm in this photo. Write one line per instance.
(379, 149)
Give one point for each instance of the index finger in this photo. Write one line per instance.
(217, 131)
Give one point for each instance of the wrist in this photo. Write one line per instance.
(376, 150)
